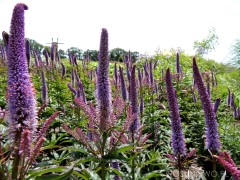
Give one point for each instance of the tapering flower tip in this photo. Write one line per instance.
(35, 59)
(212, 135)
(44, 89)
(232, 100)
(230, 167)
(134, 101)
(140, 77)
(63, 70)
(45, 53)
(5, 37)
(28, 51)
(178, 67)
(216, 105)
(151, 73)
(74, 91)
(229, 97)
(25, 143)
(73, 77)
(103, 84)
(53, 52)
(115, 165)
(178, 144)
(20, 93)
(115, 74)
(208, 89)
(141, 106)
(123, 87)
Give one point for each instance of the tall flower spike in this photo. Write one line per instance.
(5, 37)
(140, 78)
(216, 105)
(103, 84)
(44, 89)
(28, 52)
(134, 101)
(123, 87)
(178, 144)
(115, 74)
(151, 73)
(212, 136)
(229, 98)
(45, 53)
(178, 67)
(20, 92)
(63, 70)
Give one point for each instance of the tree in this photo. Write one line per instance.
(76, 51)
(34, 45)
(235, 52)
(93, 54)
(206, 45)
(117, 54)
(62, 53)
(135, 56)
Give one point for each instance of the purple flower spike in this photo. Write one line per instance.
(5, 37)
(35, 59)
(115, 165)
(140, 77)
(53, 52)
(151, 73)
(178, 144)
(103, 84)
(178, 67)
(63, 70)
(229, 97)
(28, 52)
(20, 93)
(141, 106)
(115, 74)
(45, 53)
(232, 100)
(212, 135)
(123, 87)
(208, 88)
(216, 104)
(134, 101)
(44, 89)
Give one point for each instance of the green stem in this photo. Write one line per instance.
(103, 162)
(179, 167)
(133, 161)
(16, 155)
(214, 169)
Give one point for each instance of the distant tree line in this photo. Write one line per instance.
(116, 54)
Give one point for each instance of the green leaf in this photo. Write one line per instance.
(151, 175)
(124, 149)
(62, 176)
(93, 175)
(40, 172)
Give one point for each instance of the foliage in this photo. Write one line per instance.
(34, 45)
(206, 45)
(235, 52)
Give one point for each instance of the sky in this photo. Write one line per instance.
(135, 25)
